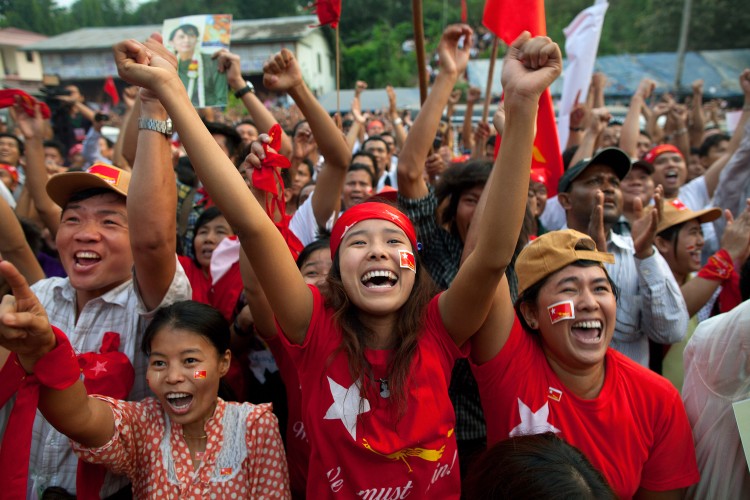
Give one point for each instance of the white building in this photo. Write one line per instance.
(84, 56)
(20, 69)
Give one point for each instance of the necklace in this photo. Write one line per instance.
(385, 391)
(194, 437)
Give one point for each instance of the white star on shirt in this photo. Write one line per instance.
(532, 422)
(346, 406)
(99, 367)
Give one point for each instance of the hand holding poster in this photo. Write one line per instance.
(195, 39)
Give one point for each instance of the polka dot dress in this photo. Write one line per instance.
(153, 454)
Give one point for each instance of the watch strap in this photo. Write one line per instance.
(161, 126)
(244, 90)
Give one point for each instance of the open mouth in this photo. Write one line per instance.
(85, 259)
(587, 332)
(179, 402)
(379, 279)
(671, 175)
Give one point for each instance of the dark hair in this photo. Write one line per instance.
(18, 141)
(194, 317)
(355, 334)
(355, 167)
(188, 29)
(319, 244)
(85, 194)
(207, 216)
(246, 121)
(54, 143)
(745, 280)
(362, 152)
(710, 142)
(297, 126)
(672, 233)
(532, 293)
(535, 466)
(310, 167)
(454, 181)
(374, 138)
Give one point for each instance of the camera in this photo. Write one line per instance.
(101, 117)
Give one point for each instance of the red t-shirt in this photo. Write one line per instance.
(223, 295)
(297, 445)
(359, 445)
(636, 432)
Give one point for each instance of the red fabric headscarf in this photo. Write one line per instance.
(661, 149)
(370, 210)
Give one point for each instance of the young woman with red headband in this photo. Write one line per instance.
(374, 354)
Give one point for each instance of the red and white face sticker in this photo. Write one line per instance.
(199, 374)
(561, 311)
(407, 260)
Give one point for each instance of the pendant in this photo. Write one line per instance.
(385, 392)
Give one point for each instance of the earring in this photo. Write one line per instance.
(532, 324)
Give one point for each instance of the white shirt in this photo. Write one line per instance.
(121, 310)
(717, 374)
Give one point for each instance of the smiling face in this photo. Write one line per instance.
(94, 245)
(637, 184)
(208, 237)
(370, 266)
(580, 342)
(683, 253)
(316, 268)
(10, 153)
(670, 171)
(379, 149)
(184, 43)
(176, 356)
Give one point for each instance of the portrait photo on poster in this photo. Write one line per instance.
(195, 39)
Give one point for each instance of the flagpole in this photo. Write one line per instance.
(338, 79)
(488, 95)
(416, 10)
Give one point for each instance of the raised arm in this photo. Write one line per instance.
(530, 66)
(697, 122)
(631, 125)
(129, 96)
(277, 273)
(229, 63)
(25, 330)
(33, 129)
(13, 245)
(399, 132)
(411, 161)
(713, 174)
(282, 73)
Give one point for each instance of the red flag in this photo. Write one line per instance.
(507, 19)
(111, 90)
(464, 12)
(328, 11)
(560, 311)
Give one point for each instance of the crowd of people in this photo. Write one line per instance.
(373, 304)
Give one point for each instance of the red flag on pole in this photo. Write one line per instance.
(328, 11)
(507, 19)
(464, 12)
(111, 90)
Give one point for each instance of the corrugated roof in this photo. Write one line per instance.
(719, 69)
(243, 31)
(15, 37)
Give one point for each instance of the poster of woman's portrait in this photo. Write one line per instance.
(195, 39)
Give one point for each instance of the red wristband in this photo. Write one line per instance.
(58, 369)
(718, 268)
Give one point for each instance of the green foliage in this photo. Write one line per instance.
(373, 31)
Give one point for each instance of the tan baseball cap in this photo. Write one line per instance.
(551, 252)
(62, 187)
(675, 212)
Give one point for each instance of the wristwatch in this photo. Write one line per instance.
(249, 87)
(163, 127)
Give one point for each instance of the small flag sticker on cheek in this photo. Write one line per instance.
(407, 260)
(199, 374)
(561, 311)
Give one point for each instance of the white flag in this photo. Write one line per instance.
(581, 44)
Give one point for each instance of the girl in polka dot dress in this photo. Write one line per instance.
(184, 443)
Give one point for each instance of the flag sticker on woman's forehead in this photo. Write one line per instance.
(199, 374)
(560, 311)
(407, 260)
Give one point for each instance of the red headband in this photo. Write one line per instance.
(13, 171)
(661, 149)
(370, 210)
